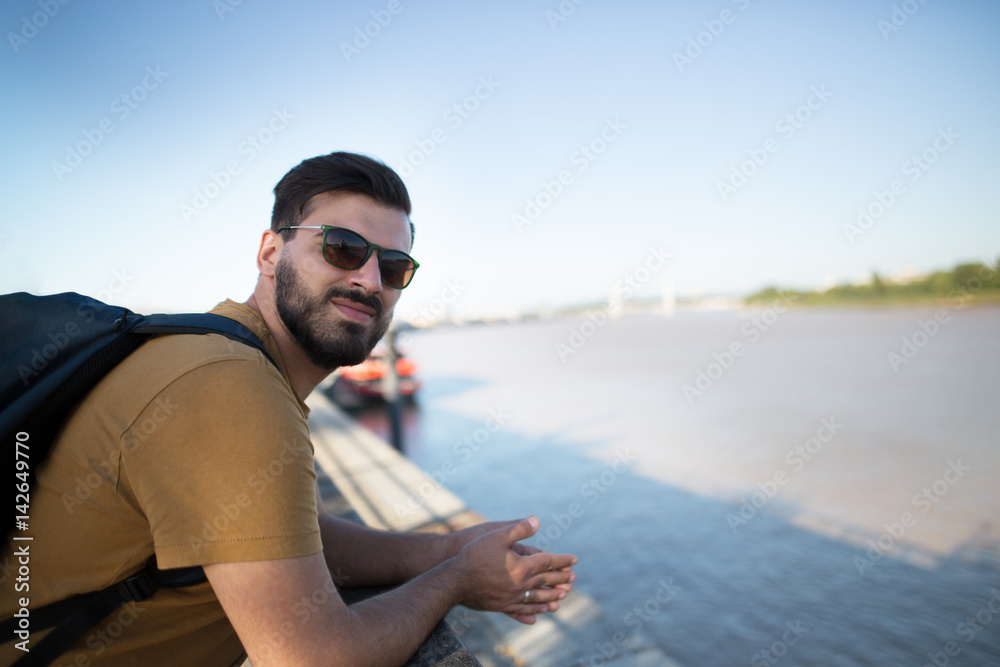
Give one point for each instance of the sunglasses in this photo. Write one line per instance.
(349, 251)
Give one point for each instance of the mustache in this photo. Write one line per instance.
(356, 296)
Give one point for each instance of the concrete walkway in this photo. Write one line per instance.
(389, 492)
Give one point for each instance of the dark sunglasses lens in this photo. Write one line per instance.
(344, 249)
(396, 268)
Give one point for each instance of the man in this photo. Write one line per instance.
(196, 449)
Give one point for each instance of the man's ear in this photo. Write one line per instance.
(269, 252)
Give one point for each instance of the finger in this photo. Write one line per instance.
(545, 561)
(524, 549)
(490, 526)
(528, 550)
(544, 595)
(538, 565)
(552, 579)
(523, 529)
(527, 619)
(471, 533)
(531, 608)
(541, 601)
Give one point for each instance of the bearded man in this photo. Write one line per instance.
(196, 450)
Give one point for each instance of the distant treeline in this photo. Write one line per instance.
(976, 281)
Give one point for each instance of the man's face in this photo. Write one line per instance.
(337, 316)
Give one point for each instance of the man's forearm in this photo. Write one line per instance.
(395, 624)
(276, 629)
(361, 556)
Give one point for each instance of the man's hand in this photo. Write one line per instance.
(527, 550)
(499, 570)
(366, 557)
(459, 539)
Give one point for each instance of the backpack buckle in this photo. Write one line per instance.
(140, 586)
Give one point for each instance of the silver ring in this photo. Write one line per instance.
(526, 594)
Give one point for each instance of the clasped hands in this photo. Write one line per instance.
(499, 573)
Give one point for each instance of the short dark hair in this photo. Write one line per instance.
(336, 172)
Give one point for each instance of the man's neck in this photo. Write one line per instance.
(303, 375)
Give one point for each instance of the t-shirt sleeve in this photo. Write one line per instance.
(221, 464)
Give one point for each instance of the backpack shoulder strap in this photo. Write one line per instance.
(198, 323)
(74, 616)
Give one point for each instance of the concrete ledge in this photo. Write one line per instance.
(381, 485)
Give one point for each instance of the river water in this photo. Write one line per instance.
(815, 486)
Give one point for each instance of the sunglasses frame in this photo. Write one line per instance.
(379, 250)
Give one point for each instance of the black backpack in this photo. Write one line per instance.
(53, 350)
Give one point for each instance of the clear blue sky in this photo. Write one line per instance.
(113, 225)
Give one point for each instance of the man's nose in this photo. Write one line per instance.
(367, 276)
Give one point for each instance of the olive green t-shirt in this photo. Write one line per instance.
(194, 448)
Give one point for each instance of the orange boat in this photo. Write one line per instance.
(362, 384)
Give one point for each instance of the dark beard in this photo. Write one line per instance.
(328, 344)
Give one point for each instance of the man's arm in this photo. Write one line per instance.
(361, 556)
(287, 611)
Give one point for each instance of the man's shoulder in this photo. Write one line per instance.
(204, 369)
(208, 367)
(173, 350)
(176, 354)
